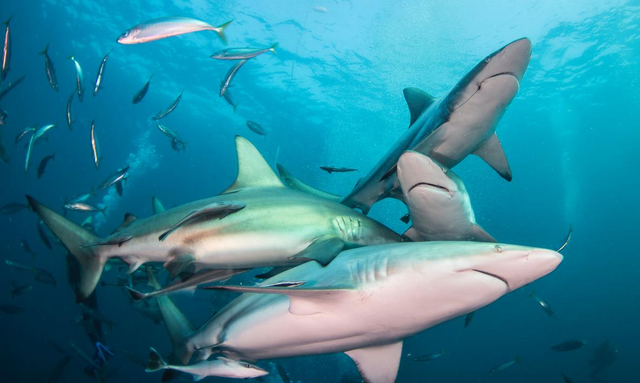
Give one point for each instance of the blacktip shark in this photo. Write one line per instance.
(256, 222)
(452, 127)
(438, 202)
(367, 301)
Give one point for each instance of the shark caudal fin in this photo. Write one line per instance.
(75, 238)
(155, 363)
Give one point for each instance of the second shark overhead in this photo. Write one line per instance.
(256, 222)
(438, 202)
(450, 128)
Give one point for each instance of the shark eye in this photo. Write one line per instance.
(498, 249)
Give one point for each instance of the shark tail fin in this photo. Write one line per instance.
(75, 238)
(220, 30)
(155, 363)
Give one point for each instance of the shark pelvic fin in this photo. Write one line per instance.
(296, 184)
(418, 101)
(491, 152)
(322, 250)
(253, 170)
(378, 364)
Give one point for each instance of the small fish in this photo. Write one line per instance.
(97, 315)
(256, 128)
(70, 120)
(428, 357)
(569, 345)
(18, 266)
(178, 145)
(176, 141)
(49, 69)
(320, 9)
(42, 131)
(545, 307)
(468, 319)
(164, 27)
(79, 78)
(227, 97)
(142, 92)
(95, 145)
(82, 206)
(59, 369)
(506, 365)
(25, 246)
(100, 74)
(226, 82)
(111, 242)
(82, 197)
(9, 87)
(3, 117)
(20, 290)
(6, 49)
(43, 164)
(242, 53)
(43, 276)
(10, 309)
(84, 356)
(12, 208)
(114, 178)
(34, 138)
(43, 235)
(170, 109)
(333, 169)
(23, 133)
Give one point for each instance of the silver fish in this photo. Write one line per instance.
(506, 365)
(96, 88)
(82, 206)
(256, 128)
(544, 305)
(39, 133)
(6, 50)
(95, 145)
(242, 53)
(49, 69)
(113, 179)
(170, 109)
(79, 78)
(224, 85)
(227, 97)
(26, 131)
(69, 115)
(142, 92)
(164, 27)
(10, 87)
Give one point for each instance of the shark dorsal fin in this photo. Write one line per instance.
(378, 364)
(157, 206)
(253, 170)
(418, 101)
(126, 222)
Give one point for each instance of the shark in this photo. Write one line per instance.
(255, 222)
(448, 129)
(438, 202)
(366, 302)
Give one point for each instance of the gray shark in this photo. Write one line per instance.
(367, 301)
(438, 202)
(256, 222)
(452, 127)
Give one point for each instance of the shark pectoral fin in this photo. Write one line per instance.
(296, 184)
(418, 101)
(178, 264)
(378, 364)
(214, 210)
(322, 250)
(413, 235)
(253, 170)
(479, 235)
(491, 152)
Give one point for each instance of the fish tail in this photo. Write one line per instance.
(220, 30)
(533, 294)
(72, 57)
(235, 107)
(273, 48)
(45, 50)
(74, 237)
(103, 211)
(155, 363)
(8, 21)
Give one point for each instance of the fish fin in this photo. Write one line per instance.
(303, 301)
(155, 362)
(322, 250)
(178, 264)
(152, 281)
(378, 364)
(157, 206)
(296, 184)
(478, 234)
(253, 170)
(220, 30)
(413, 235)
(73, 237)
(133, 266)
(235, 107)
(136, 295)
(418, 101)
(272, 49)
(491, 152)
(126, 222)
(273, 272)
(8, 21)
(214, 210)
(119, 188)
(45, 50)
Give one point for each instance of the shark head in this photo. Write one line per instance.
(419, 173)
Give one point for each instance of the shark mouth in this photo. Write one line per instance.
(439, 188)
(493, 276)
(482, 82)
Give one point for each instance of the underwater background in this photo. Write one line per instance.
(333, 96)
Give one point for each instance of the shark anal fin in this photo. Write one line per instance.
(491, 152)
(378, 364)
(214, 210)
(418, 101)
(178, 264)
(322, 250)
(479, 235)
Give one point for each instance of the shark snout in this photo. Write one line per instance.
(513, 59)
(417, 170)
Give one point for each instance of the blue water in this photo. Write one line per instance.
(333, 95)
